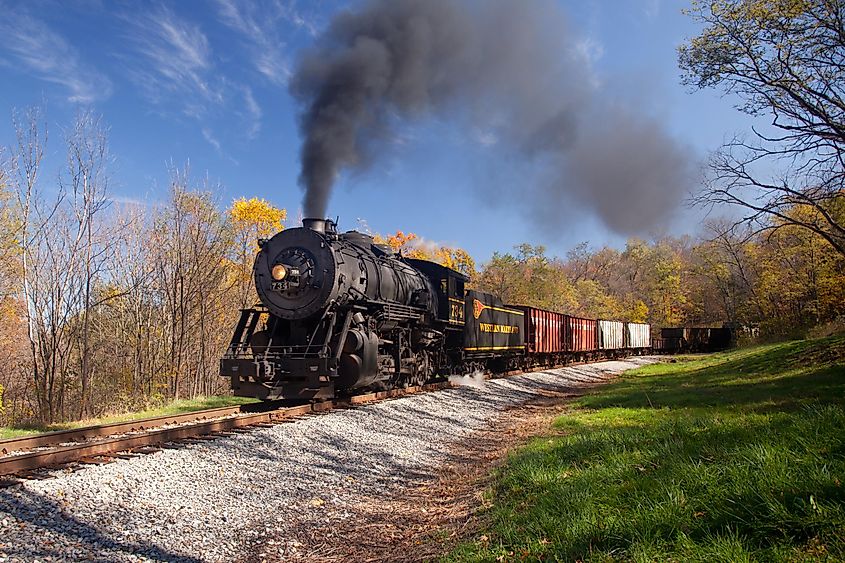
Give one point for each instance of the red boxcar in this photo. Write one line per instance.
(581, 334)
(544, 331)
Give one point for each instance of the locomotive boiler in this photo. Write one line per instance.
(339, 312)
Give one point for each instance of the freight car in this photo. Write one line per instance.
(340, 313)
(545, 335)
(637, 337)
(582, 338)
(611, 336)
(677, 340)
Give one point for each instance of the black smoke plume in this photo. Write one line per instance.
(509, 68)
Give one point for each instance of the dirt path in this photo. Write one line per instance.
(424, 521)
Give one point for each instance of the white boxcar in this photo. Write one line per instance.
(611, 335)
(639, 335)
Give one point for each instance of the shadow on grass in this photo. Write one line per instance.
(735, 457)
(771, 486)
(774, 379)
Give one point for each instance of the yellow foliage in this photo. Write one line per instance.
(455, 258)
(638, 312)
(257, 215)
(110, 292)
(761, 11)
(194, 203)
(594, 301)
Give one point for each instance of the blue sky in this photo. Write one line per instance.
(206, 82)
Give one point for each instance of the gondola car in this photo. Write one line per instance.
(682, 340)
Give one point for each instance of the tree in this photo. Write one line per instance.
(86, 184)
(63, 243)
(250, 220)
(528, 278)
(9, 226)
(784, 59)
(131, 322)
(399, 241)
(14, 383)
(190, 272)
(412, 246)
(594, 301)
(28, 153)
(668, 295)
(725, 276)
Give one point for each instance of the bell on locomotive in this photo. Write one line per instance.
(336, 313)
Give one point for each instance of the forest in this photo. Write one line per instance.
(111, 305)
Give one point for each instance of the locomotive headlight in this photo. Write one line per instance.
(279, 272)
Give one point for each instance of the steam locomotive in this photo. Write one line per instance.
(340, 313)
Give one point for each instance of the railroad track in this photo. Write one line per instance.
(100, 444)
(19, 457)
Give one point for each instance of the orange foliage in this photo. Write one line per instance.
(412, 246)
(400, 240)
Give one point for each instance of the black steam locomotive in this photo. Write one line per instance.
(340, 313)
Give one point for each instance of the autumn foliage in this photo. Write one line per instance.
(412, 246)
(784, 281)
(108, 306)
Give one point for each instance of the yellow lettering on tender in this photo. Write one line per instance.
(506, 329)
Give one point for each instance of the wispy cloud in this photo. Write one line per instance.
(172, 62)
(254, 113)
(130, 201)
(590, 49)
(485, 138)
(651, 9)
(175, 58)
(209, 137)
(42, 52)
(212, 140)
(258, 23)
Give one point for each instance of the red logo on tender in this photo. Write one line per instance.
(477, 308)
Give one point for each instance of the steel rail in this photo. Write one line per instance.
(11, 464)
(90, 432)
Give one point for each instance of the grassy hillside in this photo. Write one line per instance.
(736, 456)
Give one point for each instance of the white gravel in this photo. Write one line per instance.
(210, 501)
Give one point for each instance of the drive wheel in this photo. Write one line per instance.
(409, 368)
(425, 368)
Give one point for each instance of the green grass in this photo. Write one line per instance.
(174, 407)
(737, 456)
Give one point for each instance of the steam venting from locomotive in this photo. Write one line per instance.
(508, 68)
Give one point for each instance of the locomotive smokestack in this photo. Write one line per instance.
(320, 225)
(315, 224)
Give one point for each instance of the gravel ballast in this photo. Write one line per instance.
(213, 501)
